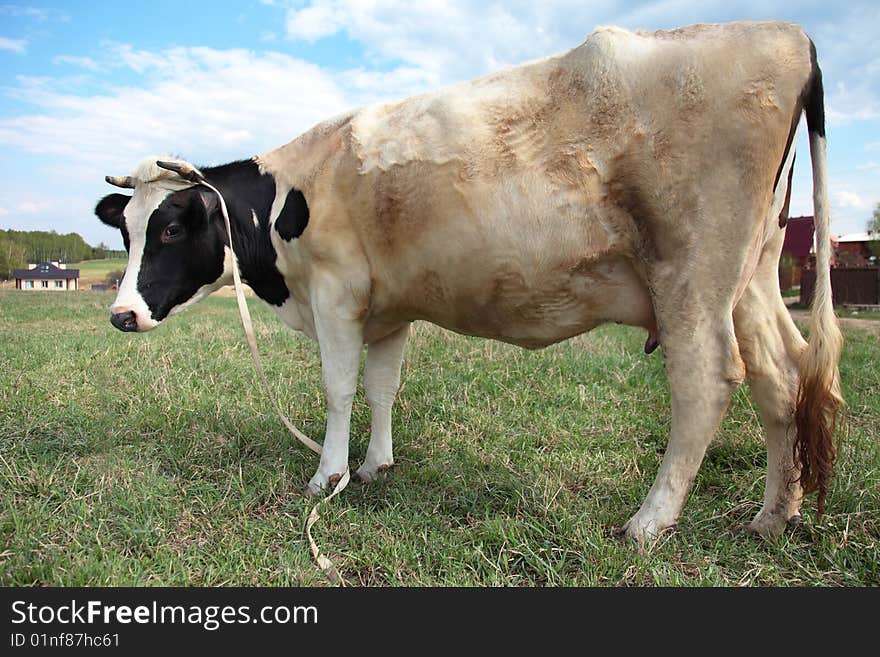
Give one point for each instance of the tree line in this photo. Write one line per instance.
(874, 227)
(19, 247)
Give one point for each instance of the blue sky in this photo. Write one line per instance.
(89, 88)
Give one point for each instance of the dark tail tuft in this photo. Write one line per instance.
(819, 401)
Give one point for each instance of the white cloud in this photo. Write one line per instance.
(32, 207)
(446, 40)
(850, 64)
(850, 199)
(181, 99)
(848, 103)
(38, 14)
(214, 105)
(364, 86)
(319, 20)
(208, 105)
(867, 166)
(674, 13)
(81, 62)
(205, 104)
(3, 212)
(13, 45)
(456, 39)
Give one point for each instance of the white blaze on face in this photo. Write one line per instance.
(137, 215)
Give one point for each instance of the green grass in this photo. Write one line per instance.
(866, 314)
(843, 312)
(95, 271)
(156, 459)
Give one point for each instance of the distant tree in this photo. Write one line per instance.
(786, 271)
(12, 256)
(44, 246)
(115, 276)
(100, 252)
(874, 227)
(874, 222)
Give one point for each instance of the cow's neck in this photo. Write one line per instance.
(249, 196)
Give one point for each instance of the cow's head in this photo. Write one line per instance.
(175, 238)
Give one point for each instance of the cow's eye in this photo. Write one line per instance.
(172, 233)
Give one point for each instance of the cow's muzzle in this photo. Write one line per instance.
(126, 321)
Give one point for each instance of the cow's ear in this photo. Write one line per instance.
(205, 201)
(110, 209)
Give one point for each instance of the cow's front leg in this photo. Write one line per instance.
(381, 381)
(341, 341)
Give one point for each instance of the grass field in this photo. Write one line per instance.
(155, 459)
(844, 312)
(95, 271)
(861, 314)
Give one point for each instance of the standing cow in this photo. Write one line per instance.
(637, 178)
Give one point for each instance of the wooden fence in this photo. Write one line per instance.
(855, 287)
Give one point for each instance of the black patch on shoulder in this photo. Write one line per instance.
(294, 216)
(248, 192)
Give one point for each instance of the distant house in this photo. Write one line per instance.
(795, 250)
(855, 275)
(46, 276)
(856, 249)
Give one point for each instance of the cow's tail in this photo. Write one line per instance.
(819, 400)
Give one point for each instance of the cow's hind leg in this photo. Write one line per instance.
(704, 368)
(381, 381)
(771, 346)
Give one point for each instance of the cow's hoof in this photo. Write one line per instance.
(368, 473)
(321, 483)
(772, 525)
(645, 530)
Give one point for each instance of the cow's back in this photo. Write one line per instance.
(531, 197)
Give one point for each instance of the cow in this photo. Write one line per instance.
(638, 178)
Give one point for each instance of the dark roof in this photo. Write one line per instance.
(45, 270)
(798, 237)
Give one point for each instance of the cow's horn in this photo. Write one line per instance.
(185, 171)
(126, 182)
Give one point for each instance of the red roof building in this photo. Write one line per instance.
(795, 250)
(858, 250)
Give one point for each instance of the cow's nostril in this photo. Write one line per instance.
(126, 321)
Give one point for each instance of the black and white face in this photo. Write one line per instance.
(177, 253)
